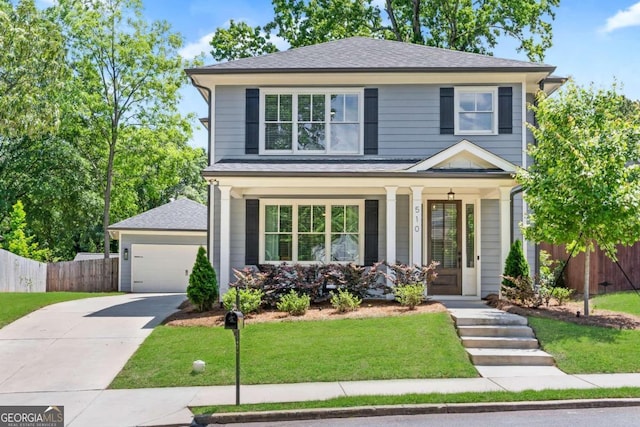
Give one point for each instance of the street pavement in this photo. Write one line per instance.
(68, 353)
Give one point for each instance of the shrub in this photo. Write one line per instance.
(294, 304)
(250, 300)
(344, 301)
(279, 280)
(203, 284)
(521, 291)
(562, 295)
(515, 265)
(410, 295)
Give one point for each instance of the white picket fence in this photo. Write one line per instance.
(19, 274)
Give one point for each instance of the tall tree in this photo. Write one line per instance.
(465, 25)
(583, 187)
(18, 240)
(127, 73)
(32, 70)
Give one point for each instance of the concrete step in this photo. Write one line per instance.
(496, 331)
(486, 317)
(500, 356)
(499, 342)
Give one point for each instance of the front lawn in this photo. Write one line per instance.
(14, 305)
(416, 346)
(580, 349)
(625, 302)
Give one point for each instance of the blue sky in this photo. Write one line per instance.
(593, 40)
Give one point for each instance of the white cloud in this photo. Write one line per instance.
(624, 18)
(191, 50)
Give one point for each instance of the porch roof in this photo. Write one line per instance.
(332, 167)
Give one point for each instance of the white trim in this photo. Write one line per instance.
(295, 203)
(463, 146)
(211, 223)
(161, 232)
(225, 239)
(505, 226)
(416, 225)
(326, 91)
(391, 224)
(493, 90)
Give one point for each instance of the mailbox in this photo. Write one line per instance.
(234, 320)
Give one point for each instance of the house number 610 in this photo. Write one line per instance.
(416, 228)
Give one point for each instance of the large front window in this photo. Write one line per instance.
(476, 110)
(312, 232)
(311, 122)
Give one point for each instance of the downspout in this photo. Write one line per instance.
(209, 156)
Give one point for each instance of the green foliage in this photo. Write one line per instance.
(562, 295)
(520, 290)
(18, 241)
(250, 300)
(583, 187)
(32, 60)
(470, 26)
(516, 264)
(410, 295)
(344, 301)
(203, 284)
(294, 304)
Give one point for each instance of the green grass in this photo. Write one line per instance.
(416, 346)
(625, 302)
(434, 398)
(580, 349)
(14, 305)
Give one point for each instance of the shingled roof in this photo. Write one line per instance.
(356, 54)
(179, 215)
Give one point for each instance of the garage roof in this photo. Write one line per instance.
(179, 215)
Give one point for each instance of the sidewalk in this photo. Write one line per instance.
(168, 406)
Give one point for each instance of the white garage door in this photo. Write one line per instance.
(161, 268)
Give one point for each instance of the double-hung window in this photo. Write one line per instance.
(312, 232)
(476, 110)
(315, 121)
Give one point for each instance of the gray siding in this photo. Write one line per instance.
(126, 240)
(490, 247)
(408, 124)
(229, 122)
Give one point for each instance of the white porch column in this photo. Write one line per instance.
(416, 227)
(505, 225)
(391, 224)
(225, 238)
(212, 223)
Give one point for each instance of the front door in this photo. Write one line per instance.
(445, 246)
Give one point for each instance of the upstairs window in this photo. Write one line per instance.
(311, 122)
(476, 110)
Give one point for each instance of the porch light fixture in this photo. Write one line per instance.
(451, 195)
(126, 254)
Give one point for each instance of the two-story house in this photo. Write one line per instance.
(360, 150)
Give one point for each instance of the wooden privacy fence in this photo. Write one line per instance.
(93, 275)
(18, 274)
(602, 269)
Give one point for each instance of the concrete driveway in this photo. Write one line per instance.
(78, 345)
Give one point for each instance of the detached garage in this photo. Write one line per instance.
(158, 248)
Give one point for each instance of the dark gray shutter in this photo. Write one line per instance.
(252, 232)
(505, 110)
(446, 111)
(252, 121)
(370, 232)
(371, 121)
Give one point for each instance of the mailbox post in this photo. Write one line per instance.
(234, 320)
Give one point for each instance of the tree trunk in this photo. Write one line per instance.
(107, 200)
(587, 260)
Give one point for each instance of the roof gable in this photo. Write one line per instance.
(179, 215)
(368, 54)
(466, 156)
